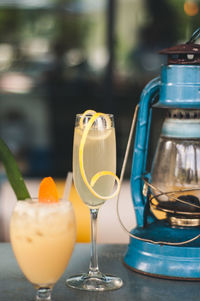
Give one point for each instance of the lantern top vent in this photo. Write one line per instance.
(184, 54)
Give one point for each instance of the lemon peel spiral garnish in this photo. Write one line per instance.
(87, 112)
(99, 174)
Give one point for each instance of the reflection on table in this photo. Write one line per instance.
(137, 287)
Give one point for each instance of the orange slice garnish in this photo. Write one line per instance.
(48, 192)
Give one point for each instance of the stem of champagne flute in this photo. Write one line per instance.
(43, 294)
(93, 268)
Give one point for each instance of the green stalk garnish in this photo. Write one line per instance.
(13, 173)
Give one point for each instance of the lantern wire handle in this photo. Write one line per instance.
(195, 36)
(121, 179)
(129, 143)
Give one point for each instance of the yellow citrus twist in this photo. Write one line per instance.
(99, 174)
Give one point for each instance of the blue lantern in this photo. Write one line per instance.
(166, 240)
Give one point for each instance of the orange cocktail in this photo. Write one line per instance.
(43, 236)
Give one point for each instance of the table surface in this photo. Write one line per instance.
(137, 287)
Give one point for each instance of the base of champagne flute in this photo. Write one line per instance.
(94, 282)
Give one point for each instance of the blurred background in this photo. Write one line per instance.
(61, 57)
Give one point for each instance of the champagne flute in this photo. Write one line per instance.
(42, 237)
(94, 153)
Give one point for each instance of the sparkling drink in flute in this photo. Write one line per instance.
(94, 167)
